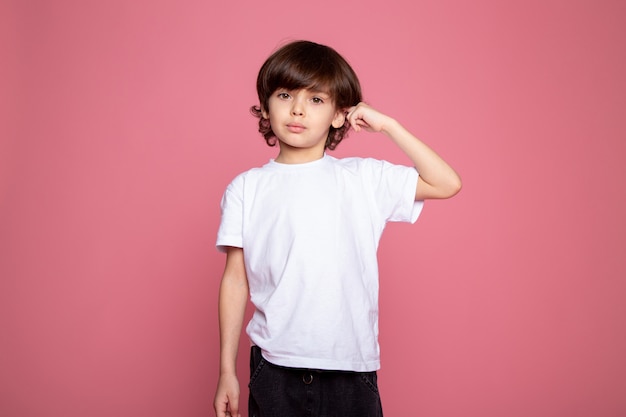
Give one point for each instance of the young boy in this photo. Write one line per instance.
(300, 236)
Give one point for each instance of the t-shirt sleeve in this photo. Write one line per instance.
(394, 191)
(230, 232)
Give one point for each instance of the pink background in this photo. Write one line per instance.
(123, 121)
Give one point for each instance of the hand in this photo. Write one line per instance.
(365, 117)
(226, 402)
(437, 178)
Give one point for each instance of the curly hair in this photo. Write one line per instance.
(305, 64)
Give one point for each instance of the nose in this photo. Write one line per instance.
(297, 109)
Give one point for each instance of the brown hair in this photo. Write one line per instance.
(304, 64)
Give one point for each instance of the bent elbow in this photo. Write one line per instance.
(452, 188)
(456, 186)
(445, 188)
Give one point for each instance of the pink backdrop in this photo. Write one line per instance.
(123, 121)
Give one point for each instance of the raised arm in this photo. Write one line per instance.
(437, 178)
(233, 298)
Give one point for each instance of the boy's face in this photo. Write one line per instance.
(301, 119)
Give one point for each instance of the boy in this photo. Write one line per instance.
(300, 236)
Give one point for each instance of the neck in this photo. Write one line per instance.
(288, 155)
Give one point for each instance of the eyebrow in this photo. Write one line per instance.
(321, 92)
(312, 90)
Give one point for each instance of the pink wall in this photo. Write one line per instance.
(123, 121)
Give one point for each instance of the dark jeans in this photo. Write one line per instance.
(277, 391)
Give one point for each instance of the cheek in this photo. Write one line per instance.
(273, 121)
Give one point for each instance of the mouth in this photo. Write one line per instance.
(295, 127)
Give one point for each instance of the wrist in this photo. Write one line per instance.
(390, 127)
(228, 372)
(228, 368)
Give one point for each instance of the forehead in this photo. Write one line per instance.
(303, 82)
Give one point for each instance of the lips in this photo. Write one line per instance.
(295, 127)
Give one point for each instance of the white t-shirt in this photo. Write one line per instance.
(309, 234)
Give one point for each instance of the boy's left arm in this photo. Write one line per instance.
(437, 178)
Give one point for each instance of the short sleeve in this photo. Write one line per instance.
(394, 189)
(230, 232)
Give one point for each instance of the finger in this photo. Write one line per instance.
(234, 409)
(355, 124)
(220, 408)
(354, 118)
(350, 120)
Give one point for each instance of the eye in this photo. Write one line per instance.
(317, 100)
(283, 96)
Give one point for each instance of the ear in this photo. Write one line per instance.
(340, 119)
(264, 113)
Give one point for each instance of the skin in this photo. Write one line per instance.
(301, 120)
(233, 298)
(437, 178)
